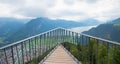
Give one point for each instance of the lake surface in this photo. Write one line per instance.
(81, 29)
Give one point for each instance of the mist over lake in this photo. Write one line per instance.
(81, 29)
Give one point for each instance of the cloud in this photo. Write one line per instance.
(13, 2)
(32, 12)
(91, 1)
(102, 10)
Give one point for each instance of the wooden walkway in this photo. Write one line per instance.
(59, 56)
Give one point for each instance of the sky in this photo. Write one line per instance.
(102, 10)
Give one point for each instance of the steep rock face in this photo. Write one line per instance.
(110, 30)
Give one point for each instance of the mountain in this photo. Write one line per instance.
(110, 30)
(115, 21)
(9, 26)
(9, 19)
(39, 25)
(90, 22)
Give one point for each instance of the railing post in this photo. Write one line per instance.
(66, 35)
(107, 53)
(113, 46)
(50, 39)
(17, 55)
(44, 43)
(12, 54)
(37, 45)
(53, 38)
(32, 49)
(56, 37)
(26, 51)
(93, 51)
(82, 49)
(97, 45)
(22, 52)
(76, 38)
(35, 50)
(73, 37)
(5, 56)
(85, 43)
(63, 35)
(60, 35)
(40, 38)
(29, 49)
(89, 50)
(69, 35)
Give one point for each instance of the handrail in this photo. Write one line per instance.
(50, 39)
(26, 39)
(113, 42)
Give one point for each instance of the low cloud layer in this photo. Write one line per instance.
(102, 10)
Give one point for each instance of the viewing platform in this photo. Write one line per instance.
(61, 46)
(60, 56)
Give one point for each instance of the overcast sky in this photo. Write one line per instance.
(102, 10)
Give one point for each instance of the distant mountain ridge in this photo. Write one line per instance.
(9, 26)
(39, 25)
(110, 30)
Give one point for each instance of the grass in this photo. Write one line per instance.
(116, 25)
(1, 40)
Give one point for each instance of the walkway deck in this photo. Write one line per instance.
(59, 56)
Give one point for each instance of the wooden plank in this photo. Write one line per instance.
(59, 56)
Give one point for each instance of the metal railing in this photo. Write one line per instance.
(93, 50)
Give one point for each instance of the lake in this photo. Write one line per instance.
(81, 29)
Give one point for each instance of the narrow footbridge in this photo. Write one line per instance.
(60, 56)
(61, 46)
